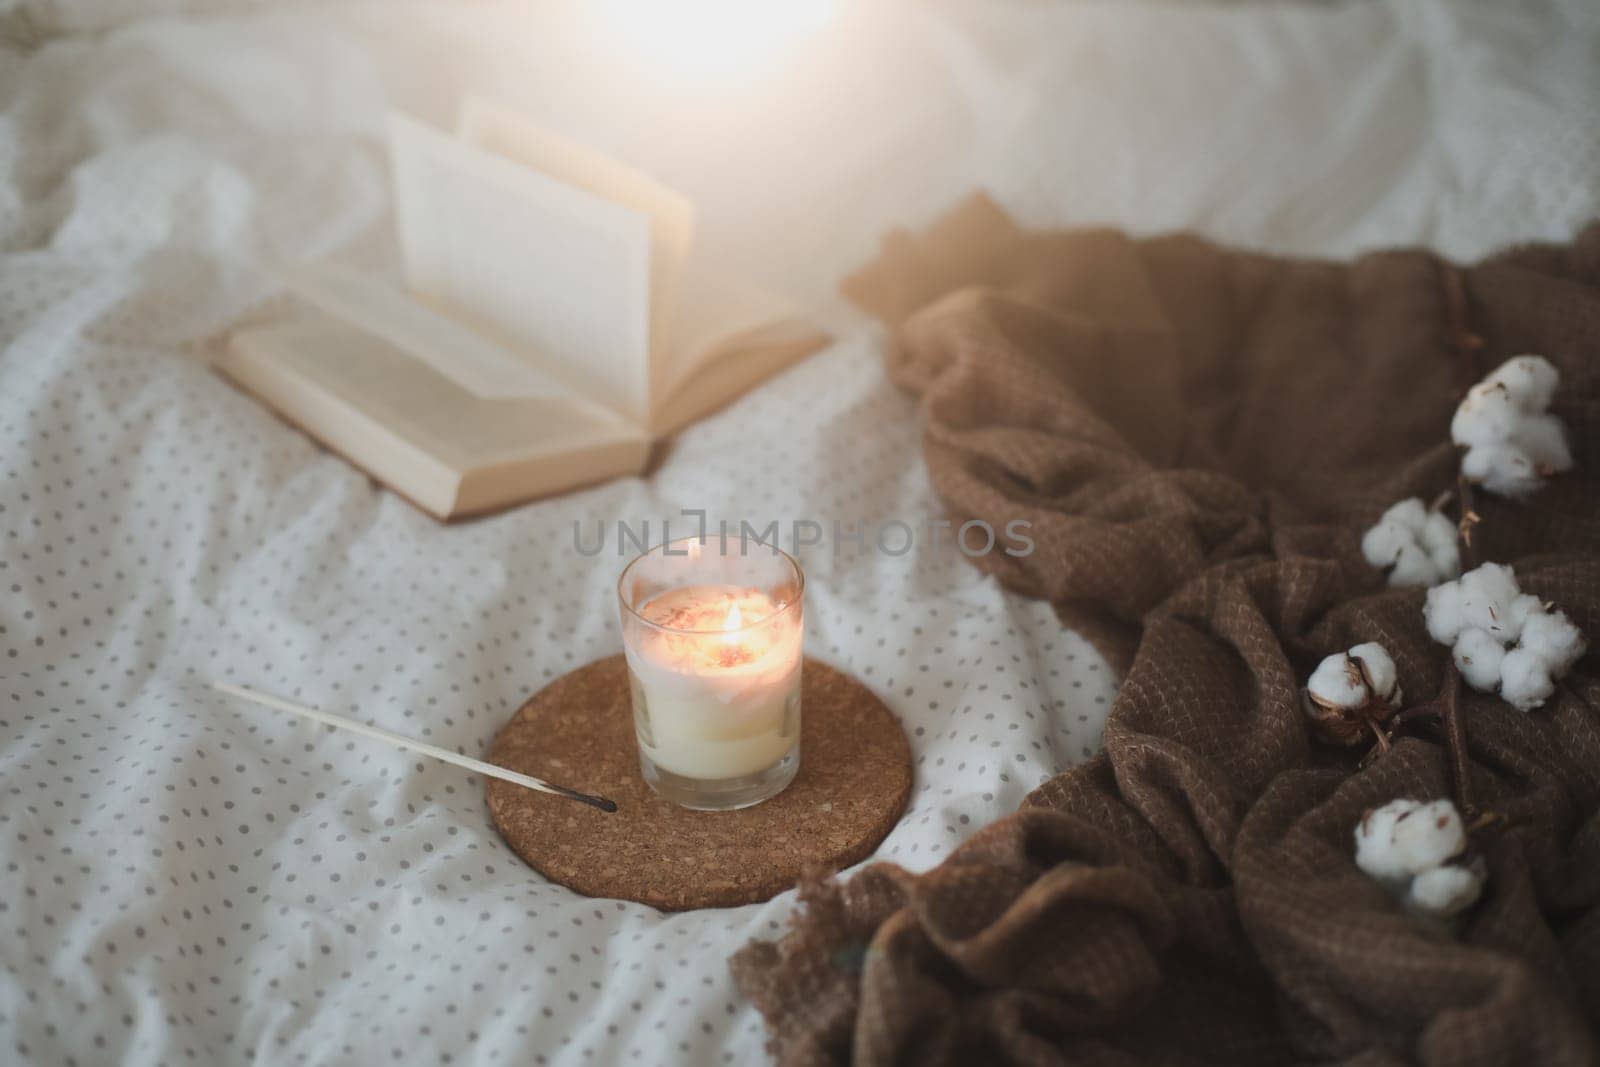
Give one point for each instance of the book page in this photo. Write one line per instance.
(419, 431)
(712, 311)
(470, 360)
(559, 274)
(515, 137)
(734, 366)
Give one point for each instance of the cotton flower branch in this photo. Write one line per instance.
(1415, 545)
(1512, 443)
(1502, 638)
(1419, 852)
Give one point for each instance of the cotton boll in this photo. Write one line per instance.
(1445, 892)
(1438, 537)
(1525, 680)
(1413, 566)
(1522, 608)
(1502, 469)
(1377, 669)
(1337, 682)
(1512, 444)
(1428, 836)
(1543, 439)
(1478, 656)
(1529, 380)
(1383, 544)
(1443, 613)
(1351, 693)
(1404, 838)
(1416, 546)
(1446, 560)
(1375, 851)
(1409, 514)
(1419, 852)
(1486, 596)
(1486, 416)
(1483, 614)
(1555, 639)
(1437, 532)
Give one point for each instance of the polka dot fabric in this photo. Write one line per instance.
(188, 875)
(184, 879)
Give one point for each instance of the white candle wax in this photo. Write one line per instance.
(720, 688)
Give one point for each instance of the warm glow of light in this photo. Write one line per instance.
(711, 39)
(731, 624)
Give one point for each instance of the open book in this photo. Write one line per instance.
(552, 324)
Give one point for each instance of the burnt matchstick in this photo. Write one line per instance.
(401, 741)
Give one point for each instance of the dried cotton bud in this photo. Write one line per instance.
(1512, 443)
(1414, 545)
(1352, 691)
(1502, 638)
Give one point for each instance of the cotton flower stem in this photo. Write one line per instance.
(1378, 732)
(1405, 718)
(1455, 741)
(1484, 821)
(1446, 707)
(1380, 746)
(1469, 521)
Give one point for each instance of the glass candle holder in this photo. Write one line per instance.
(713, 633)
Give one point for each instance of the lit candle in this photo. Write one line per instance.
(715, 672)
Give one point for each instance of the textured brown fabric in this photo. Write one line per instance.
(1199, 436)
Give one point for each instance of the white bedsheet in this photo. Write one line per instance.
(185, 880)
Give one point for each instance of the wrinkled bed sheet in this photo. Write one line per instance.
(186, 880)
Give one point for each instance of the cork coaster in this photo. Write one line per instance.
(854, 780)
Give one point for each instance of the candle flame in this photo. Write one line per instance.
(732, 641)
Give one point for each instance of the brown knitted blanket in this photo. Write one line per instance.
(1199, 436)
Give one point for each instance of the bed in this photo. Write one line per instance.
(189, 880)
